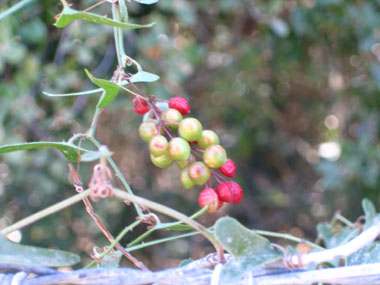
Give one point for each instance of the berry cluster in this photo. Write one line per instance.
(196, 151)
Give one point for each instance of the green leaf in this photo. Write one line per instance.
(143, 76)
(110, 89)
(369, 211)
(180, 228)
(70, 151)
(88, 92)
(95, 155)
(14, 253)
(249, 249)
(332, 240)
(366, 255)
(147, 2)
(68, 15)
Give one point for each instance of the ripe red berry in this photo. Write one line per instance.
(140, 106)
(228, 169)
(229, 192)
(180, 104)
(208, 197)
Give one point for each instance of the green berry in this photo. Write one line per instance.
(158, 145)
(172, 115)
(185, 179)
(182, 163)
(148, 130)
(190, 129)
(162, 161)
(179, 149)
(199, 172)
(208, 138)
(215, 156)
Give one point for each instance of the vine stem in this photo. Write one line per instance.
(158, 241)
(46, 212)
(366, 237)
(174, 214)
(161, 226)
(118, 38)
(288, 237)
(344, 220)
(116, 241)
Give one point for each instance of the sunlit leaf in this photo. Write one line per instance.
(95, 155)
(366, 255)
(369, 211)
(332, 239)
(70, 151)
(68, 15)
(249, 249)
(143, 76)
(147, 2)
(14, 253)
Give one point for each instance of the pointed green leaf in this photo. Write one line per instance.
(70, 151)
(249, 249)
(369, 211)
(180, 228)
(88, 92)
(110, 89)
(147, 2)
(68, 15)
(14, 253)
(143, 76)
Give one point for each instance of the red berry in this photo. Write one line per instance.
(228, 169)
(140, 106)
(208, 197)
(229, 192)
(180, 104)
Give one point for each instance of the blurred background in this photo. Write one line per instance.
(291, 87)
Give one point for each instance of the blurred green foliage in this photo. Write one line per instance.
(277, 80)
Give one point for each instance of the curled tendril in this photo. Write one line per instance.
(100, 184)
(98, 251)
(288, 258)
(151, 219)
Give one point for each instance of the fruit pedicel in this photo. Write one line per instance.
(197, 152)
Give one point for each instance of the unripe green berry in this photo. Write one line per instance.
(162, 161)
(199, 172)
(215, 156)
(179, 149)
(190, 129)
(172, 115)
(148, 130)
(208, 138)
(185, 179)
(158, 145)
(182, 163)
